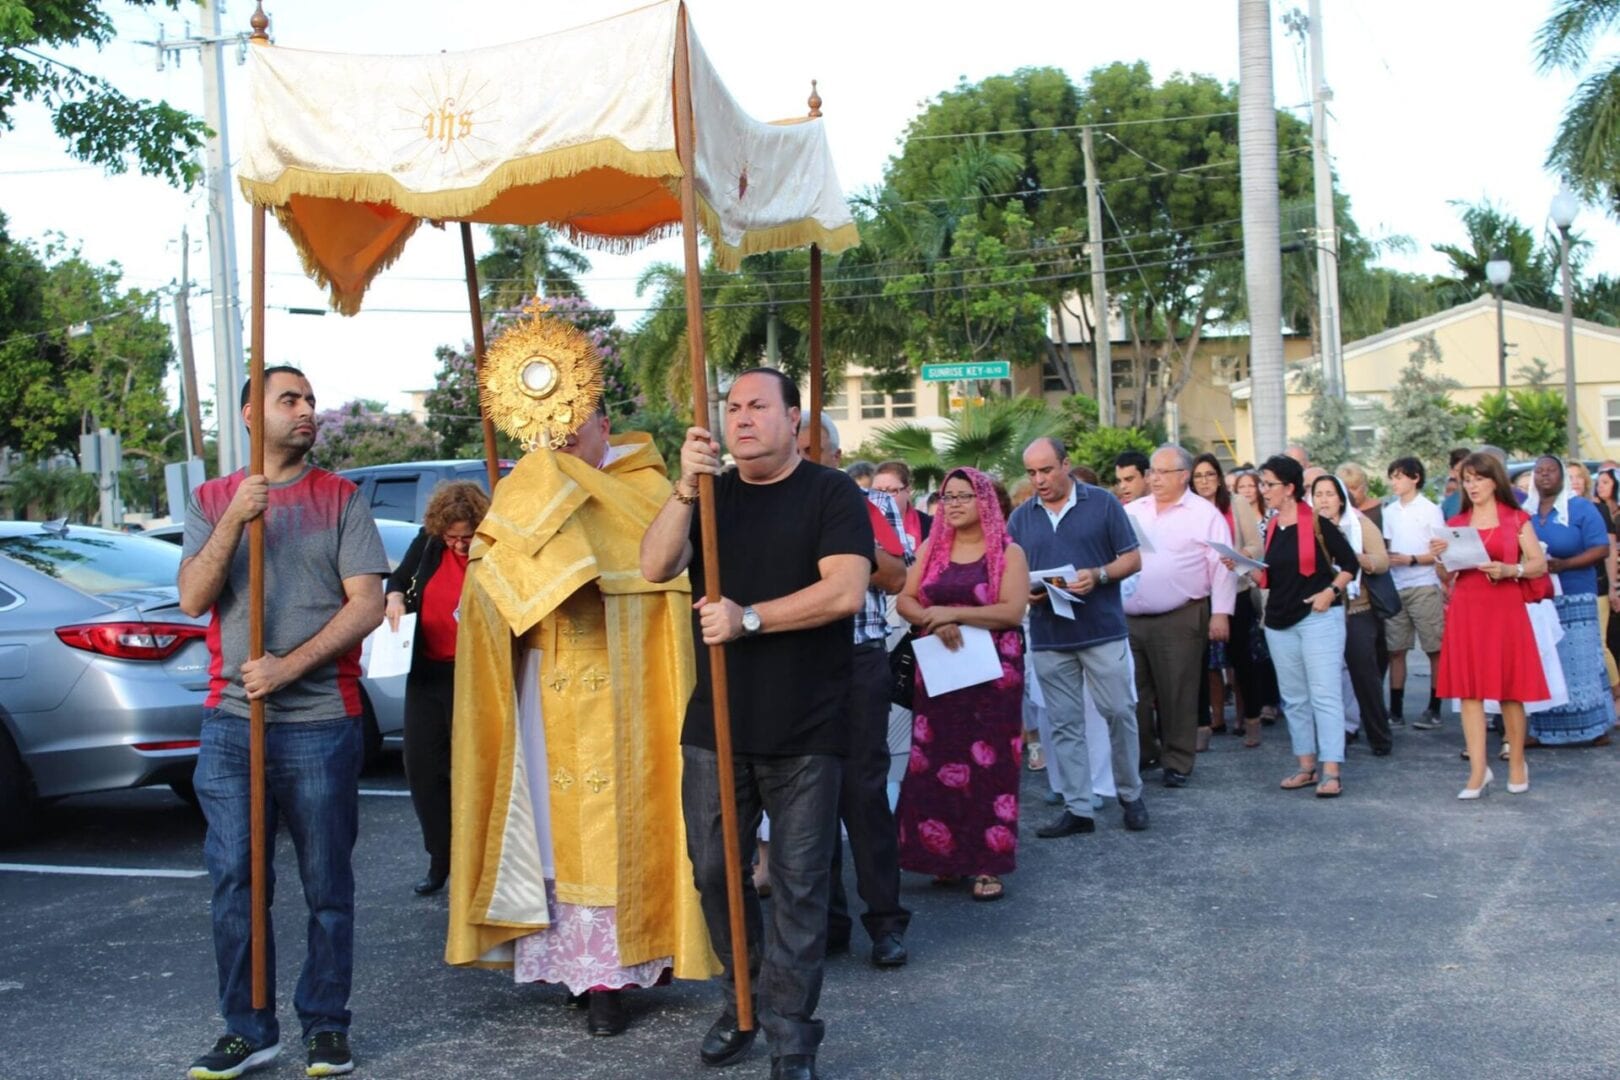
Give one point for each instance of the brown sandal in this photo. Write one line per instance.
(1303, 779)
(1251, 733)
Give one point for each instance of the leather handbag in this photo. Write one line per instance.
(903, 671)
(1382, 594)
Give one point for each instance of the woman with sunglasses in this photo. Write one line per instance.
(428, 584)
(1309, 566)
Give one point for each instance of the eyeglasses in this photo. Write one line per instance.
(1267, 485)
(451, 538)
(888, 490)
(958, 497)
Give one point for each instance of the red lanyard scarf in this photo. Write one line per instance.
(1305, 528)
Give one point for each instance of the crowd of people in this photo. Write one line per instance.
(893, 663)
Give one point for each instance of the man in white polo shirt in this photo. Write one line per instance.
(1408, 521)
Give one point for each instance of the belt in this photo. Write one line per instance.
(1172, 611)
(868, 646)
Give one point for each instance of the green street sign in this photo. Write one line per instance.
(993, 369)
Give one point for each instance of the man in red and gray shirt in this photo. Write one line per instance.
(322, 561)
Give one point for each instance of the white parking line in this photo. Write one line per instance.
(99, 871)
(385, 791)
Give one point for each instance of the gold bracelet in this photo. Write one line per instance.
(687, 500)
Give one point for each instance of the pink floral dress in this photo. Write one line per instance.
(958, 812)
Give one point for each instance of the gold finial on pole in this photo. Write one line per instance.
(815, 101)
(260, 23)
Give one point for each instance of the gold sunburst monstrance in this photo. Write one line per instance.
(541, 379)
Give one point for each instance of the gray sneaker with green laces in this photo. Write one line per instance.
(329, 1054)
(231, 1056)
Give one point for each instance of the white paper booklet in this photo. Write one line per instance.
(1465, 549)
(387, 652)
(1240, 560)
(1142, 536)
(943, 670)
(1062, 600)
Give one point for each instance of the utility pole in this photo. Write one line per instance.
(1101, 335)
(1262, 259)
(1327, 232)
(188, 362)
(227, 312)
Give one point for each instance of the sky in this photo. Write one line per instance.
(1432, 102)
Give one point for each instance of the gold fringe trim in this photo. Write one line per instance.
(459, 203)
(342, 301)
(794, 234)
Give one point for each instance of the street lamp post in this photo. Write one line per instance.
(1565, 205)
(1497, 272)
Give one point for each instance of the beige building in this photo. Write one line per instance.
(1207, 413)
(1466, 336)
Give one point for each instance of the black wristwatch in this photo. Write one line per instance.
(1338, 593)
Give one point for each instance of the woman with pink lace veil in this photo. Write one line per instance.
(958, 811)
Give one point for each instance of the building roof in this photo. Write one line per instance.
(1468, 310)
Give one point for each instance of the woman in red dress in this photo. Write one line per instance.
(1489, 652)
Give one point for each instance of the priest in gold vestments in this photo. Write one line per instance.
(568, 857)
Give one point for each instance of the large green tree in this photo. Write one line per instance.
(100, 123)
(79, 353)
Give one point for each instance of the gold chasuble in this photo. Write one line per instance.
(555, 574)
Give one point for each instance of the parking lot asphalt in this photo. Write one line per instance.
(1251, 932)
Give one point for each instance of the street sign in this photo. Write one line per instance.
(992, 369)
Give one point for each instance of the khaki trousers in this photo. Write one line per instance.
(1169, 653)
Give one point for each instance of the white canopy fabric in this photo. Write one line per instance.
(575, 129)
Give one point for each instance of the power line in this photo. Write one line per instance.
(1076, 127)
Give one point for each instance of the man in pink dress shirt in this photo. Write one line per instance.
(1184, 597)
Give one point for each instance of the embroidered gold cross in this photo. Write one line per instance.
(596, 781)
(574, 632)
(594, 680)
(563, 778)
(559, 680)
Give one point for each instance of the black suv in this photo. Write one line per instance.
(401, 491)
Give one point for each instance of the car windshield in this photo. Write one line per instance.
(396, 539)
(94, 561)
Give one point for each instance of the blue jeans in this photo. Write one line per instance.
(312, 778)
(1308, 657)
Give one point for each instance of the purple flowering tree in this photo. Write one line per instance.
(363, 433)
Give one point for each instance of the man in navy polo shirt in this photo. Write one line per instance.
(1074, 524)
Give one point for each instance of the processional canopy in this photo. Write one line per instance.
(575, 129)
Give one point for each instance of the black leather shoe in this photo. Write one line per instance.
(724, 1044)
(888, 951)
(1382, 751)
(1067, 825)
(837, 944)
(430, 884)
(1172, 778)
(1136, 815)
(794, 1067)
(607, 1014)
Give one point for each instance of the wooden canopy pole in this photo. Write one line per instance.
(684, 135)
(256, 824)
(816, 373)
(475, 305)
(258, 846)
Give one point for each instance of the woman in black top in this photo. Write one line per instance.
(428, 584)
(1308, 565)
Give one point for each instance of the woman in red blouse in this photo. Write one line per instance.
(428, 583)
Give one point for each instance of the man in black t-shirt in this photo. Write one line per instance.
(795, 561)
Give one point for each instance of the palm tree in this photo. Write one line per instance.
(1493, 233)
(528, 260)
(1587, 147)
(989, 437)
